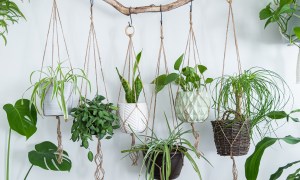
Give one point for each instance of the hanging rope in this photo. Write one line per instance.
(129, 66)
(54, 25)
(59, 140)
(99, 174)
(162, 57)
(231, 17)
(93, 58)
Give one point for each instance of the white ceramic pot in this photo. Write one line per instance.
(192, 106)
(51, 106)
(133, 117)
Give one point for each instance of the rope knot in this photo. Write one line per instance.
(229, 1)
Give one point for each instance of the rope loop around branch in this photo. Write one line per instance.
(229, 1)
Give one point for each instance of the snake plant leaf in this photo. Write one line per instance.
(128, 92)
(137, 62)
(280, 170)
(45, 157)
(22, 117)
(138, 87)
(178, 62)
(253, 162)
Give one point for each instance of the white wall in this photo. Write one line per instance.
(23, 54)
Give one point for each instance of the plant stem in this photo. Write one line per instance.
(8, 154)
(28, 172)
(238, 97)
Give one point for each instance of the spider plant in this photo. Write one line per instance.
(9, 12)
(166, 148)
(251, 95)
(57, 78)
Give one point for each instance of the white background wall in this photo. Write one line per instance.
(23, 54)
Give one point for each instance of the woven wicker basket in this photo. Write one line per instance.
(225, 131)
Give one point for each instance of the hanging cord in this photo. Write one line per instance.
(197, 139)
(129, 64)
(59, 142)
(99, 174)
(231, 17)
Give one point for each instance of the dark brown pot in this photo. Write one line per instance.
(228, 132)
(176, 164)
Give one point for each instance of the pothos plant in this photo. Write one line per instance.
(251, 95)
(133, 90)
(57, 78)
(93, 118)
(281, 13)
(188, 78)
(9, 13)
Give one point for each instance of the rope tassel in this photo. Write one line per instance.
(197, 139)
(234, 169)
(99, 173)
(59, 142)
(134, 156)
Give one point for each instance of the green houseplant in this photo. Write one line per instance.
(10, 13)
(243, 101)
(55, 89)
(133, 114)
(163, 158)
(93, 118)
(192, 102)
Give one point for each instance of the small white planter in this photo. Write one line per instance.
(133, 117)
(51, 106)
(192, 107)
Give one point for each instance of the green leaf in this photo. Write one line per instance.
(265, 13)
(279, 172)
(138, 87)
(209, 80)
(171, 78)
(202, 68)
(277, 114)
(90, 156)
(178, 62)
(295, 111)
(159, 82)
(294, 176)
(22, 117)
(295, 119)
(297, 32)
(253, 162)
(137, 62)
(129, 95)
(45, 157)
(285, 9)
(284, 2)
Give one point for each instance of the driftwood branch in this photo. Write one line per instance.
(143, 9)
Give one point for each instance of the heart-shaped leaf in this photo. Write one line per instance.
(22, 117)
(45, 156)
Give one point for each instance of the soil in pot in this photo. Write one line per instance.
(177, 159)
(235, 132)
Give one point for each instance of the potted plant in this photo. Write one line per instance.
(163, 158)
(242, 102)
(55, 89)
(192, 101)
(133, 114)
(93, 118)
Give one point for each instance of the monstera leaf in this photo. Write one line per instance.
(45, 156)
(22, 117)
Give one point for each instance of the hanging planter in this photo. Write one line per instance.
(133, 117)
(176, 163)
(192, 106)
(232, 137)
(53, 106)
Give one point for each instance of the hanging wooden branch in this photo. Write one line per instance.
(144, 9)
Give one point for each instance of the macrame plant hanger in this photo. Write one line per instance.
(230, 18)
(128, 66)
(54, 24)
(192, 52)
(162, 60)
(93, 58)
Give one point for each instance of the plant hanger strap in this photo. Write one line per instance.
(230, 17)
(54, 22)
(93, 52)
(99, 174)
(59, 144)
(162, 57)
